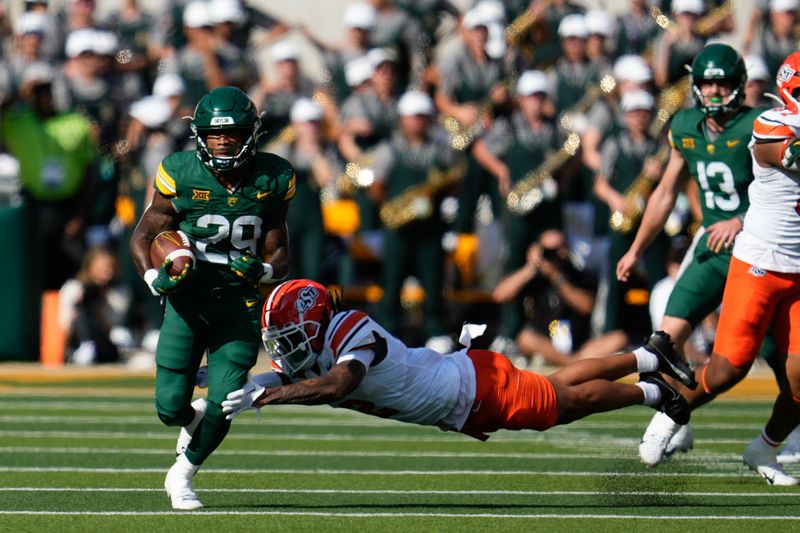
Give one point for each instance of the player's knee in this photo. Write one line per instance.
(173, 411)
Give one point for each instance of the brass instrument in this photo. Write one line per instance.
(708, 21)
(539, 184)
(670, 101)
(704, 24)
(462, 136)
(520, 25)
(416, 202)
(357, 174)
(636, 198)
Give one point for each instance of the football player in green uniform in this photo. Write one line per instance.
(709, 144)
(232, 203)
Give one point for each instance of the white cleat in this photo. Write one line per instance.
(185, 436)
(178, 485)
(791, 451)
(682, 441)
(762, 458)
(656, 439)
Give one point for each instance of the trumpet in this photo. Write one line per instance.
(357, 174)
(636, 196)
(416, 202)
(538, 184)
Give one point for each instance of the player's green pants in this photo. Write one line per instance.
(225, 322)
(415, 249)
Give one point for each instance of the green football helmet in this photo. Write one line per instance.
(719, 62)
(225, 108)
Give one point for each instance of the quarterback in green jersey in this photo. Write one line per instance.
(232, 203)
(709, 145)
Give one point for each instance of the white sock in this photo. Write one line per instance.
(645, 361)
(652, 394)
(184, 464)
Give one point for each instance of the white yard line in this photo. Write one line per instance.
(356, 472)
(330, 514)
(612, 454)
(422, 492)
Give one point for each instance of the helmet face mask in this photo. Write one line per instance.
(290, 346)
(719, 62)
(225, 110)
(294, 320)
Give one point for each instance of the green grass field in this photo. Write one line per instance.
(91, 456)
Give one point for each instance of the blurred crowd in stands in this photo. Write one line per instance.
(452, 163)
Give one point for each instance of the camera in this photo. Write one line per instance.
(551, 254)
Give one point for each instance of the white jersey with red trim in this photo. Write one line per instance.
(770, 238)
(415, 385)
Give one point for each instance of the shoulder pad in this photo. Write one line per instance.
(277, 174)
(169, 170)
(348, 331)
(775, 124)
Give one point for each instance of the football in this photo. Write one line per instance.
(172, 245)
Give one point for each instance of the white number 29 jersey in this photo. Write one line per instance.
(771, 235)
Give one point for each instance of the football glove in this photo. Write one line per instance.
(790, 154)
(161, 282)
(241, 400)
(248, 267)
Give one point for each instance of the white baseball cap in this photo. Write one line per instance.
(698, 7)
(358, 70)
(39, 72)
(599, 22)
(491, 11)
(31, 22)
(80, 41)
(305, 110)
(573, 26)
(756, 68)
(226, 11)
(531, 82)
(360, 15)
(637, 100)
(152, 111)
(778, 6)
(197, 14)
(105, 43)
(633, 68)
(284, 51)
(381, 55)
(168, 84)
(415, 103)
(473, 19)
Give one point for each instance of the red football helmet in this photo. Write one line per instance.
(788, 82)
(294, 320)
